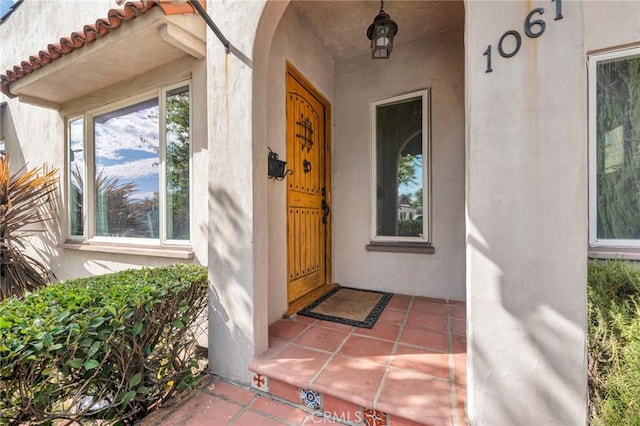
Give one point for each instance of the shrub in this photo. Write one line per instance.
(409, 228)
(614, 343)
(104, 347)
(27, 198)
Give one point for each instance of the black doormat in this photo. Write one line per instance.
(352, 306)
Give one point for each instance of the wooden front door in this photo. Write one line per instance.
(308, 211)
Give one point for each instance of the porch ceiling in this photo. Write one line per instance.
(341, 25)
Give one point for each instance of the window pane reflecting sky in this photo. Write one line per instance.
(127, 146)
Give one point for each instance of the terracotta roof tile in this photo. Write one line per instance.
(173, 7)
(90, 33)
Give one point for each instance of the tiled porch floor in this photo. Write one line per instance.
(411, 365)
(219, 403)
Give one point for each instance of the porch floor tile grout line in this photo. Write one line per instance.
(331, 357)
(225, 397)
(387, 363)
(393, 353)
(435, 314)
(307, 327)
(376, 337)
(324, 351)
(452, 371)
(373, 363)
(280, 350)
(272, 356)
(244, 408)
(419, 374)
(327, 327)
(402, 327)
(282, 420)
(286, 402)
(426, 328)
(222, 397)
(428, 348)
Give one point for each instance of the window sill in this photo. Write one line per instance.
(625, 253)
(136, 250)
(401, 247)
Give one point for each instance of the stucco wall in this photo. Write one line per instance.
(29, 29)
(527, 208)
(293, 42)
(237, 173)
(438, 63)
(601, 17)
(36, 135)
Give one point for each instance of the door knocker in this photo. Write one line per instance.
(306, 164)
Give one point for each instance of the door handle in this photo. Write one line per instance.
(326, 210)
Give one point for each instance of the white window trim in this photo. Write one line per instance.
(163, 159)
(88, 200)
(592, 63)
(426, 167)
(67, 168)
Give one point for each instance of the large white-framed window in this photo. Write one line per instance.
(614, 148)
(137, 155)
(400, 178)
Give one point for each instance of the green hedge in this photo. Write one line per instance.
(614, 342)
(104, 347)
(410, 228)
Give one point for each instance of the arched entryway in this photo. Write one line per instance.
(326, 42)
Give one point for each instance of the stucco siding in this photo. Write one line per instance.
(237, 243)
(437, 63)
(611, 24)
(527, 208)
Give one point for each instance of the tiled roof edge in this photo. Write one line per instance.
(77, 40)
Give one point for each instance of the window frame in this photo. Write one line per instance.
(425, 95)
(88, 146)
(592, 64)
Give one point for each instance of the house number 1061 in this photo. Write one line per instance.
(532, 28)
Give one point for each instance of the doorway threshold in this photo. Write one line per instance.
(306, 300)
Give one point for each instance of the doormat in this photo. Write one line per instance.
(360, 308)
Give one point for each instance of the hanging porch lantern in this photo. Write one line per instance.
(381, 34)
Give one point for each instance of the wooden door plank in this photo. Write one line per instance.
(306, 234)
